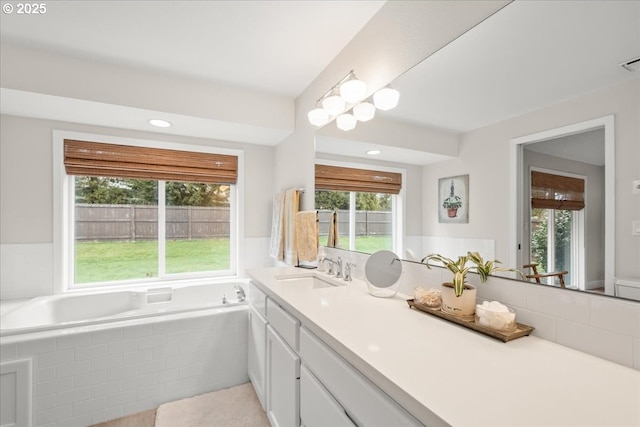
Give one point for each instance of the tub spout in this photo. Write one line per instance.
(240, 293)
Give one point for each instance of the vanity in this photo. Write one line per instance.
(325, 352)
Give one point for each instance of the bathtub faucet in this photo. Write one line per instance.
(239, 293)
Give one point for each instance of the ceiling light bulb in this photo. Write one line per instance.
(334, 104)
(318, 116)
(386, 98)
(364, 111)
(160, 123)
(346, 122)
(353, 90)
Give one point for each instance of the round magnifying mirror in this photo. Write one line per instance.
(383, 270)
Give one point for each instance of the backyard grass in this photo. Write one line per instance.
(109, 261)
(367, 244)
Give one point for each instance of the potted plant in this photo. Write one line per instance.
(454, 299)
(452, 204)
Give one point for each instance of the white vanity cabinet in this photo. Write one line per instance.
(257, 334)
(283, 367)
(317, 407)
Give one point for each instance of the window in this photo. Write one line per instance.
(138, 214)
(367, 213)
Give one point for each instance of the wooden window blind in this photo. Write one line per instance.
(549, 191)
(360, 180)
(124, 161)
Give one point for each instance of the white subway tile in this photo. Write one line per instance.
(92, 352)
(165, 351)
(106, 388)
(178, 338)
(73, 341)
(31, 348)
(52, 387)
(169, 374)
(163, 328)
(150, 367)
(111, 413)
(55, 358)
(514, 294)
(90, 378)
(154, 391)
(136, 357)
(88, 406)
(618, 316)
(42, 403)
(141, 405)
(53, 415)
(73, 396)
(106, 362)
(598, 342)
(79, 421)
(119, 399)
(137, 331)
(8, 352)
(106, 336)
(561, 303)
(71, 369)
(152, 341)
(117, 347)
(133, 383)
(45, 374)
(120, 372)
(545, 325)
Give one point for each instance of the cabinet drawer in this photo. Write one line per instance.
(317, 407)
(257, 298)
(365, 403)
(287, 326)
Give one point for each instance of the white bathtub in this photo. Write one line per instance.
(75, 310)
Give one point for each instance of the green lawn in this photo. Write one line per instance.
(107, 261)
(367, 244)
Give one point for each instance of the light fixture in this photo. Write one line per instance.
(160, 123)
(386, 98)
(374, 152)
(334, 104)
(364, 111)
(346, 122)
(348, 103)
(353, 90)
(318, 116)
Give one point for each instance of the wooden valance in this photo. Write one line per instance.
(549, 191)
(359, 180)
(125, 161)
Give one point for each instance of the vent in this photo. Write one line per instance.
(632, 65)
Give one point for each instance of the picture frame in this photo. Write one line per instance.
(453, 199)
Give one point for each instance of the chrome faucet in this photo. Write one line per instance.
(347, 271)
(240, 295)
(339, 272)
(331, 262)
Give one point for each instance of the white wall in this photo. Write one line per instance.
(484, 155)
(26, 199)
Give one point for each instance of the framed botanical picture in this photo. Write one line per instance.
(453, 199)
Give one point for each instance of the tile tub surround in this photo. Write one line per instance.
(93, 374)
(598, 325)
(422, 362)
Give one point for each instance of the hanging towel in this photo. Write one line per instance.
(291, 206)
(334, 237)
(307, 235)
(276, 245)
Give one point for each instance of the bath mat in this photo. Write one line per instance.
(232, 407)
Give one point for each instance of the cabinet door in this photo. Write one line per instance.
(257, 356)
(317, 407)
(283, 382)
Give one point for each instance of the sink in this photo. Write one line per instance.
(308, 282)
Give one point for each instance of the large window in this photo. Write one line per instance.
(367, 213)
(129, 225)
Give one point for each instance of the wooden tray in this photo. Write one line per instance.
(469, 322)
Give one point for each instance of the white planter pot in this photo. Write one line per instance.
(464, 305)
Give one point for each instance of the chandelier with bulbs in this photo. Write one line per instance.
(346, 102)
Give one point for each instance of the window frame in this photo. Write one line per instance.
(398, 218)
(63, 216)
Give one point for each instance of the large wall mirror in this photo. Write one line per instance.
(528, 78)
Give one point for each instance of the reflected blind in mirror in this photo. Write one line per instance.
(358, 180)
(549, 191)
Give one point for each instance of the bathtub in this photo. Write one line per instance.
(82, 359)
(76, 310)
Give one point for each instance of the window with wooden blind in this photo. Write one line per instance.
(366, 203)
(149, 214)
(550, 191)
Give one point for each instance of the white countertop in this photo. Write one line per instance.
(446, 374)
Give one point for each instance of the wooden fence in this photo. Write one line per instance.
(139, 222)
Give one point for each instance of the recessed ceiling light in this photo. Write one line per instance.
(160, 123)
(373, 152)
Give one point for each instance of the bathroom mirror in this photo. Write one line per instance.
(511, 68)
(383, 269)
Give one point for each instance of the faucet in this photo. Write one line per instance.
(239, 293)
(347, 271)
(339, 272)
(331, 262)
